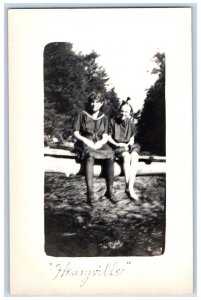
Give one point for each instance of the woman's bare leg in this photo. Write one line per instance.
(126, 167)
(133, 171)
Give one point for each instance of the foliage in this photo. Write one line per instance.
(70, 77)
(151, 124)
(68, 80)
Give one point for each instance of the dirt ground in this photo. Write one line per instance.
(128, 228)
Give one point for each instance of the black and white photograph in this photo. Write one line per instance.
(100, 108)
(105, 158)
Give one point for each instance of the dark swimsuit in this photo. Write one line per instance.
(93, 129)
(121, 132)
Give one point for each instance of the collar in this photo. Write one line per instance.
(124, 122)
(100, 115)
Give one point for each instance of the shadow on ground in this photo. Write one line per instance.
(128, 228)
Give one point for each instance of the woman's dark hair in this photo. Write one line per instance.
(94, 95)
(91, 97)
(125, 102)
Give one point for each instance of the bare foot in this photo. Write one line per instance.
(133, 195)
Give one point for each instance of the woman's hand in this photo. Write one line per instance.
(86, 141)
(123, 145)
(102, 142)
(98, 145)
(89, 143)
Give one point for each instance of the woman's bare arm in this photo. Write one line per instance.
(86, 141)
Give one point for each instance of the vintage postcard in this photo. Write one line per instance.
(100, 135)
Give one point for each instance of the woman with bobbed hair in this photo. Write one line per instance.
(90, 128)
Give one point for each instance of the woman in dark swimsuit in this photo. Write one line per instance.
(121, 139)
(90, 128)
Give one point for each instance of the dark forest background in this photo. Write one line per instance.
(70, 77)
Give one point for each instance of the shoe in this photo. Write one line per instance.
(90, 199)
(111, 197)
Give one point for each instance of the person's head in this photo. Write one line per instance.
(95, 102)
(125, 110)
